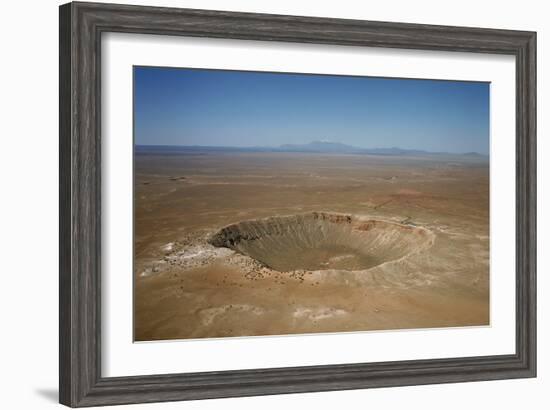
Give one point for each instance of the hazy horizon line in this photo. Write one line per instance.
(308, 143)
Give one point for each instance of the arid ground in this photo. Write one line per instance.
(268, 243)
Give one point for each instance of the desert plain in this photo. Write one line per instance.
(231, 243)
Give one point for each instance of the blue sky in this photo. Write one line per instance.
(239, 108)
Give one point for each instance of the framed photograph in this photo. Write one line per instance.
(257, 204)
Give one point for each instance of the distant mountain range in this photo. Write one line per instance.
(339, 148)
(321, 147)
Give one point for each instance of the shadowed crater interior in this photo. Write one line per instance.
(321, 241)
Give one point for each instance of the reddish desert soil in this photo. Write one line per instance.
(185, 287)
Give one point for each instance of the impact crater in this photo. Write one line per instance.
(322, 241)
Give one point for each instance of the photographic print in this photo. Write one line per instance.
(273, 203)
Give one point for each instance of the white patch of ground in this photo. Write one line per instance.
(210, 314)
(154, 268)
(169, 247)
(317, 313)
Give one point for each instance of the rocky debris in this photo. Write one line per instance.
(195, 256)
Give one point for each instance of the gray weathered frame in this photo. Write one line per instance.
(81, 26)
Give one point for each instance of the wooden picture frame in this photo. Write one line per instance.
(81, 27)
